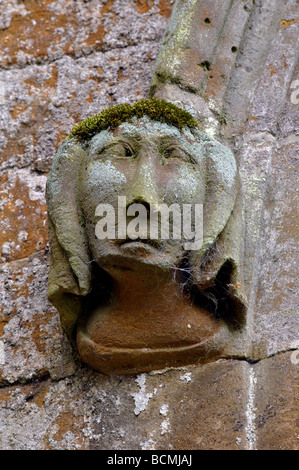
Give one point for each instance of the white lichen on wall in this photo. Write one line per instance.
(141, 398)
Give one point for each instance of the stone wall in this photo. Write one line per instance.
(60, 61)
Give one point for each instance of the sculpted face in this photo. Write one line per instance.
(149, 165)
(133, 303)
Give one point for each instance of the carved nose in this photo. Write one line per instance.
(144, 188)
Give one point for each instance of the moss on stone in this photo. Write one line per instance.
(158, 110)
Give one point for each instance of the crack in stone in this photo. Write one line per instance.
(46, 377)
(252, 361)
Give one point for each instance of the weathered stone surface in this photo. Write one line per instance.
(276, 421)
(85, 59)
(44, 89)
(43, 416)
(276, 307)
(57, 74)
(23, 227)
(188, 49)
(272, 101)
(239, 56)
(246, 76)
(289, 118)
(32, 344)
(49, 99)
(171, 410)
(48, 29)
(225, 405)
(255, 151)
(268, 166)
(176, 410)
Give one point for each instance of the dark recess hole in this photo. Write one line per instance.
(234, 49)
(205, 65)
(207, 20)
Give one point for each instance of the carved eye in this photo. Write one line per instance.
(128, 151)
(173, 151)
(119, 149)
(122, 150)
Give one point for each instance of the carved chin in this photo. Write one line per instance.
(118, 361)
(117, 343)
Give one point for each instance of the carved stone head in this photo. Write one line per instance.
(136, 300)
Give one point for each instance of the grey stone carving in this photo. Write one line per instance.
(136, 305)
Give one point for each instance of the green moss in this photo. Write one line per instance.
(158, 110)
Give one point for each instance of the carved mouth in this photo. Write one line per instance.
(140, 242)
